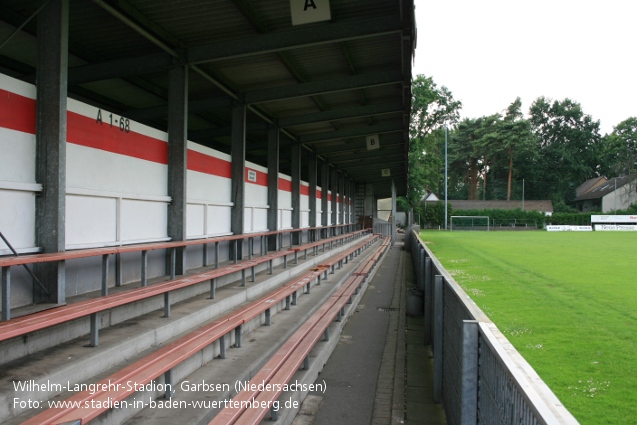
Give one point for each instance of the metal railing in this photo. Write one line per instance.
(478, 376)
(383, 229)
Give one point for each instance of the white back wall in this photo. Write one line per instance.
(305, 204)
(17, 165)
(285, 202)
(208, 186)
(319, 212)
(256, 201)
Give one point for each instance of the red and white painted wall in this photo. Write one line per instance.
(117, 180)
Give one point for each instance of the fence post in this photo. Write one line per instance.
(418, 266)
(421, 267)
(437, 343)
(428, 298)
(469, 390)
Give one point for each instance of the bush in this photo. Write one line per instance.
(570, 219)
(508, 217)
(562, 207)
(434, 214)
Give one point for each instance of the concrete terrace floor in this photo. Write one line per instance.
(381, 372)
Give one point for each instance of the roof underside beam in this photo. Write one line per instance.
(322, 87)
(352, 132)
(290, 92)
(387, 140)
(230, 49)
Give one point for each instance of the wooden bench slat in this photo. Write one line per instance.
(30, 323)
(152, 366)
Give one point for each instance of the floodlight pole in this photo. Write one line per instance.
(445, 177)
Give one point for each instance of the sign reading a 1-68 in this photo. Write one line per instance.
(113, 120)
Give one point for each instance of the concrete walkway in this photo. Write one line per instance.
(381, 371)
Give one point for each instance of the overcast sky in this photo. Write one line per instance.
(488, 52)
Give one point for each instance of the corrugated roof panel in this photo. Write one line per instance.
(349, 9)
(197, 22)
(298, 106)
(341, 99)
(251, 74)
(320, 62)
(124, 92)
(109, 39)
(269, 15)
(380, 94)
(375, 53)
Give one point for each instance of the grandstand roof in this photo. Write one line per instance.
(327, 85)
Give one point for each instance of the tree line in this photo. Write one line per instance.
(553, 149)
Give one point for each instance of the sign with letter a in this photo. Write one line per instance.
(308, 11)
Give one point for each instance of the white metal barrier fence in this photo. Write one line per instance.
(478, 376)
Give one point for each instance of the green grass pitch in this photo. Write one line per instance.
(567, 301)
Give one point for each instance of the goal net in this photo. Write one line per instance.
(469, 222)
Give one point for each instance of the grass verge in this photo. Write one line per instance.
(566, 301)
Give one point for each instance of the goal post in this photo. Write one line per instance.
(475, 222)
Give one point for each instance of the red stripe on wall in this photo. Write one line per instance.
(88, 132)
(285, 185)
(17, 112)
(329, 197)
(203, 163)
(319, 194)
(305, 190)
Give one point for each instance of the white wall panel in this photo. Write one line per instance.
(17, 177)
(329, 208)
(90, 221)
(17, 219)
(206, 187)
(305, 218)
(17, 158)
(260, 219)
(96, 169)
(285, 199)
(219, 219)
(305, 205)
(195, 220)
(143, 220)
(256, 195)
(286, 219)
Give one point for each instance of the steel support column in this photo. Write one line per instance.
(238, 175)
(273, 186)
(177, 160)
(52, 69)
